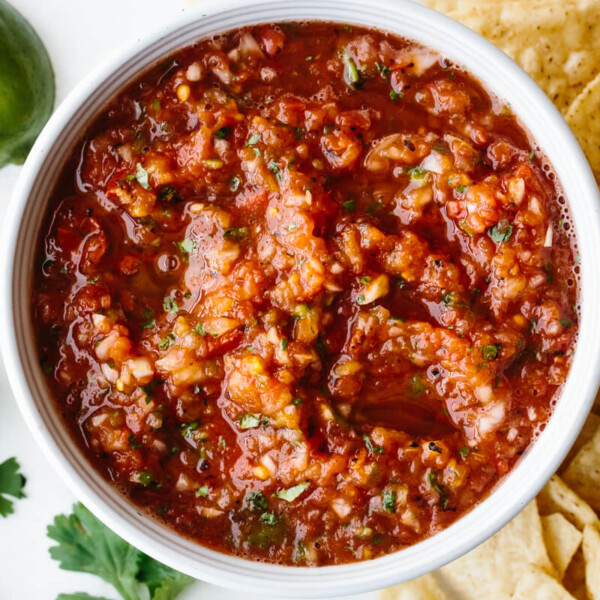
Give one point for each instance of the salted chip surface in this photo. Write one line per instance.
(492, 570)
(591, 555)
(556, 43)
(562, 540)
(422, 588)
(583, 117)
(534, 584)
(583, 472)
(555, 496)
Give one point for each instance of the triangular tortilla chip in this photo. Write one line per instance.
(557, 497)
(557, 43)
(492, 570)
(584, 119)
(562, 540)
(585, 435)
(591, 554)
(582, 474)
(537, 585)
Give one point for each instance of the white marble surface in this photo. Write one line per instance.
(78, 35)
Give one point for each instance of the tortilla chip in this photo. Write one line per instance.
(422, 588)
(492, 570)
(574, 579)
(584, 119)
(537, 585)
(562, 540)
(557, 497)
(591, 554)
(557, 43)
(585, 435)
(583, 472)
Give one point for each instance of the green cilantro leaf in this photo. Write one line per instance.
(269, 518)
(417, 172)
(11, 484)
(292, 493)
(163, 582)
(223, 133)
(150, 321)
(489, 352)
(258, 500)
(394, 95)
(86, 545)
(371, 447)
(167, 341)
(432, 477)
(382, 69)
(389, 501)
(501, 232)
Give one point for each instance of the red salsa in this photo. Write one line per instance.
(306, 292)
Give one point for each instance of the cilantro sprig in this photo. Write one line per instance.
(86, 545)
(11, 484)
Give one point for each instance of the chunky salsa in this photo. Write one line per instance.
(306, 292)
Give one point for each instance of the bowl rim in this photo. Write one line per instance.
(485, 62)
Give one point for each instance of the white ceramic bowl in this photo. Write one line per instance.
(27, 208)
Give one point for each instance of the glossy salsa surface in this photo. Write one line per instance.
(306, 292)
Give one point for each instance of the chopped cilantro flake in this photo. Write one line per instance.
(167, 341)
(269, 518)
(202, 492)
(292, 493)
(236, 233)
(142, 176)
(372, 447)
(223, 133)
(187, 246)
(389, 501)
(349, 206)
(489, 353)
(249, 420)
(258, 500)
(170, 305)
(501, 232)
